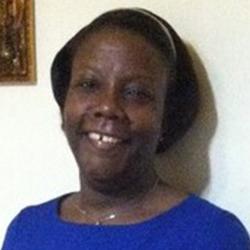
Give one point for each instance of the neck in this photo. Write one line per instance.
(117, 192)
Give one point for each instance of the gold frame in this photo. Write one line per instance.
(17, 42)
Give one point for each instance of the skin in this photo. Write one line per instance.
(117, 89)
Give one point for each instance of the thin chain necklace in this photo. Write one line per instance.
(108, 216)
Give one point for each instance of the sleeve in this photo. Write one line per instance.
(232, 234)
(11, 236)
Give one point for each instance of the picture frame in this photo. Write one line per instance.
(17, 42)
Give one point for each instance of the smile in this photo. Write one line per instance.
(101, 139)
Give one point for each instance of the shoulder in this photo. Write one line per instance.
(38, 211)
(219, 228)
(29, 220)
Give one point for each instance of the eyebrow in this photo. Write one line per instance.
(138, 77)
(130, 76)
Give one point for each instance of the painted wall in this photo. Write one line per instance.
(213, 159)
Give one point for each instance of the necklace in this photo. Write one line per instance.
(111, 215)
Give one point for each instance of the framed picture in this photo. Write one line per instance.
(17, 43)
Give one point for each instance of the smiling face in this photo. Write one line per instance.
(114, 105)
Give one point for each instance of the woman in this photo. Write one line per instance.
(126, 90)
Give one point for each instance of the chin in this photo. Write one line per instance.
(113, 176)
(102, 169)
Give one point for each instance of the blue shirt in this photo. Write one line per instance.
(194, 224)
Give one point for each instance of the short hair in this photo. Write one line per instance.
(182, 95)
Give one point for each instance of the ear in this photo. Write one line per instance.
(62, 121)
(160, 138)
(62, 126)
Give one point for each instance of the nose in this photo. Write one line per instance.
(108, 107)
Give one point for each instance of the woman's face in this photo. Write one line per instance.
(114, 105)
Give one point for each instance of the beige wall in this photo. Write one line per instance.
(213, 158)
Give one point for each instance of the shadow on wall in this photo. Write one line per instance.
(186, 164)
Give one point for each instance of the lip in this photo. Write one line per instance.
(107, 144)
(114, 134)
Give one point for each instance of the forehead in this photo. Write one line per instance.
(118, 47)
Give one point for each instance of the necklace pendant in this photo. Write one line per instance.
(98, 223)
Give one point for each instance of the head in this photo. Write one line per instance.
(122, 44)
(181, 99)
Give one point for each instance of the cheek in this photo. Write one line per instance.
(74, 108)
(70, 114)
(146, 126)
(147, 120)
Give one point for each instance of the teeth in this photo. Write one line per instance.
(103, 138)
(109, 139)
(95, 136)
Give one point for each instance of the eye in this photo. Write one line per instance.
(87, 85)
(137, 93)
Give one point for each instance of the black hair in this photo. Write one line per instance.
(182, 95)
